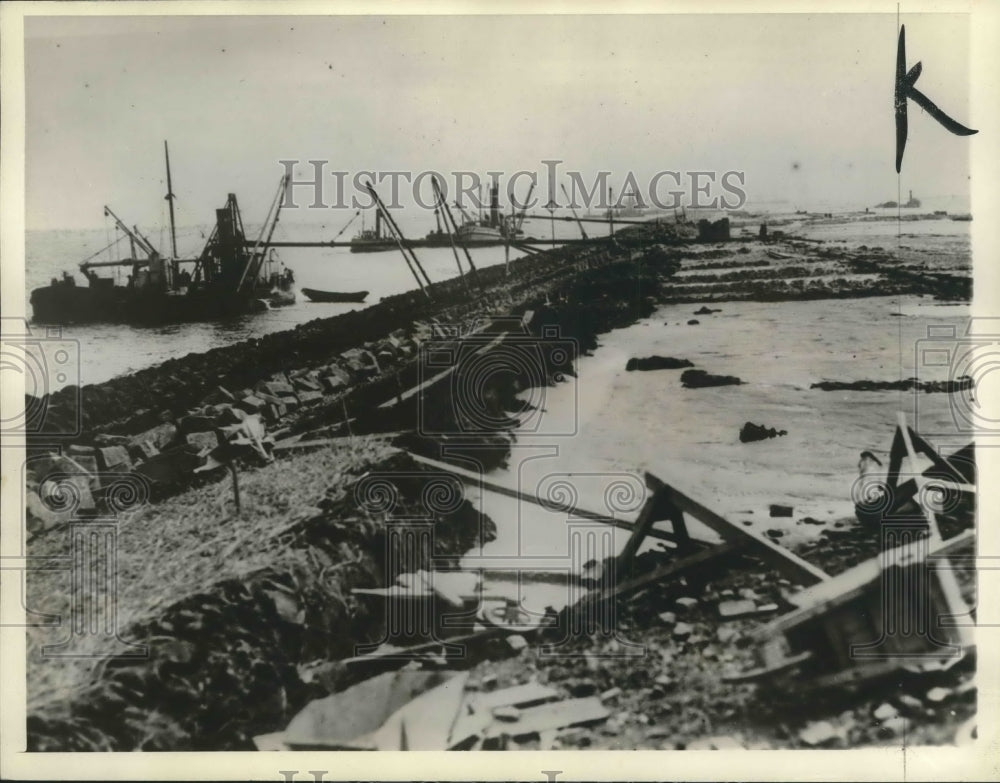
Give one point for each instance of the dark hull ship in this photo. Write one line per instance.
(484, 231)
(230, 278)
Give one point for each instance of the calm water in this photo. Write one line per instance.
(108, 350)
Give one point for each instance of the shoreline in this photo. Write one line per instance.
(580, 297)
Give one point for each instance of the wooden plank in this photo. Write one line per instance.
(399, 398)
(787, 562)
(660, 574)
(851, 583)
(526, 695)
(491, 486)
(403, 655)
(557, 715)
(650, 513)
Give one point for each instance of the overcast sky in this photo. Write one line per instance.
(801, 103)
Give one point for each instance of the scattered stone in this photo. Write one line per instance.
(39, 517)
(303, 383)
(611, 693)
(142, 451)
(699, 379)
(309, 395)
(811, 521)
(730, 610)
(778, 510)
(686, 603)
(667, 618)
(693, 322)
(704, 310)
(937, 695)
(682, 630)
(727, 634)
(161, 436)
(290, 401)
(910, 703)
(751, 432)
(775, 533)
(507, 713)
(114, 458)
(818, 733)
(489, 681)
(664, 680)
(252, 404)
(885, 711)
(767, 608)
(277, 388)
(516, 642)
(172, 467)
(656, 363)
(332, 383)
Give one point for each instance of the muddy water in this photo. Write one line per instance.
(609, 426)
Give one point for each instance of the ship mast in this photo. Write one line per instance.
(174, 264)
(170, 200)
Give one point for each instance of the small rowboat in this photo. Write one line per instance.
(334, 296)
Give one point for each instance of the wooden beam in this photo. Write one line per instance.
(783, 559)
(400, 397)
(678, 567)
(491, 486)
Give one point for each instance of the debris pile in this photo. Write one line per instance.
(223, 663)
(656, 363)
(910, 384)
(700, 379)
(751, 432)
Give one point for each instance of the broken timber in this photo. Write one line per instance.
(480, 481)
(664, 500)
(871, 619)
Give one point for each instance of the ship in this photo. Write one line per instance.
(630, 210)
(911, 203)
(489, 229)
(482, 231)
(231, 277)
(371, 240)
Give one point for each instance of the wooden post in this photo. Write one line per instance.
(236, 487)
(347, 419)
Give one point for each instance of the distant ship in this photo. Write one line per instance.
(231, 277)
(481, 231)
(491, 229)
(630, 210)
(912, 203)
(370, 240)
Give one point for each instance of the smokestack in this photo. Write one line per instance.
(494, 205)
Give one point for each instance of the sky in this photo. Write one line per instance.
(801, 103)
